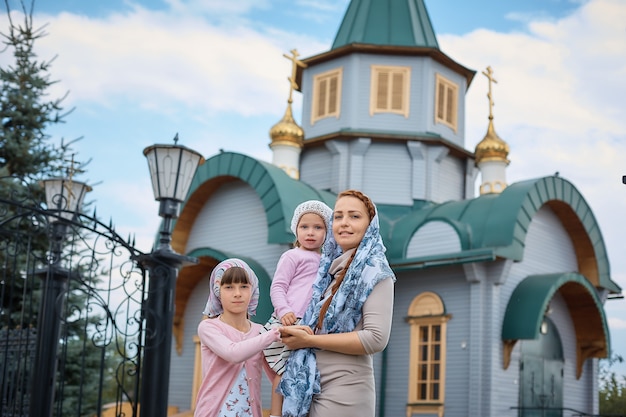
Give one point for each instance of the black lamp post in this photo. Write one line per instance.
(64, 198)
(172, 168)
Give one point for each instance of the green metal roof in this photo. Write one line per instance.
(528, 305)
(279, 193)
(490, 226)
(499, 222)
(386, 22)
(530, 299)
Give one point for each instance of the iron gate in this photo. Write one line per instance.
(72, 311)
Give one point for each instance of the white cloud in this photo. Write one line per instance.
(170, 64)
(617, 323)
(559, 105)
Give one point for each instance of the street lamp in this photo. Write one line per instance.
(172, 168)
(64, 197)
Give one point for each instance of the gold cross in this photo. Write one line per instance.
(489, 75)
(295, 63)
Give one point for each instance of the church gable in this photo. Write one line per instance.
(499, 223)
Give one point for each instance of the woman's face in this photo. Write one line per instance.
(350, 221)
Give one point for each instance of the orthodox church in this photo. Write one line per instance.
(499, 299)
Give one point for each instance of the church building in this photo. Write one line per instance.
(500, 292)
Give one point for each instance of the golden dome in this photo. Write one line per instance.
(491, 148)
(287, 131)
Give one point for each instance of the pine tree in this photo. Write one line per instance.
(25, 110)
(28, 155)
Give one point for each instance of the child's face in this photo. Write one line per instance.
(235, 298)
(311, 231)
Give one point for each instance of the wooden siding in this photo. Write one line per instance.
(316, 168)
(451, 181)
(233, 220)
(548, 249)
(328, 124)
(476, 382)
(451, 285)
(387, 174)
(433, 68)
(433, 238)
(355, 106)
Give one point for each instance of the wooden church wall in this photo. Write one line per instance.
(548, 249)
(317, 167)
(386, 170)
(576, 392)
(233, 220)
(455, 136)
(433, 238)
(450, 183)
(328, 124)
(450, 284)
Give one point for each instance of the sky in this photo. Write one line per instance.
(213, 72)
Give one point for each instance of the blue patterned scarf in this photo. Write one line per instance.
(301, 379)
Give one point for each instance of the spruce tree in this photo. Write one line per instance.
(27, 155)
(25, 109)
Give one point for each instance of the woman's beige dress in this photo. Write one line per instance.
(347, 381)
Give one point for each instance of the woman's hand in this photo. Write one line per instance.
(296, 337)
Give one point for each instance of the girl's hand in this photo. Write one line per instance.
(296, 337)
(288, 319)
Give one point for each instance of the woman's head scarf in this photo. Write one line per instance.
(301, 379)
(214, 305)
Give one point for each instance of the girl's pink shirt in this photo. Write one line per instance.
(225, 350)
(292, 285)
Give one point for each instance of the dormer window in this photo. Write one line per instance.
(390, 88)
(326, 95)
(446, 102)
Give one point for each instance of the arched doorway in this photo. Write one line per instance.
(541, 374)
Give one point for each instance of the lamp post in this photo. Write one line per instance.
(172, 168)
(64, 197)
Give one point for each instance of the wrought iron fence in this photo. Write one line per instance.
(72, 307)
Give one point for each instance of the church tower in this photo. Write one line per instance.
(384, 110)
(286, 135)
(492, 152)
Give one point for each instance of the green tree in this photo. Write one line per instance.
(27, 155)
(612, 388)
(25, 110)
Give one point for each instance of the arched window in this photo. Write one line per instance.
(428, 355)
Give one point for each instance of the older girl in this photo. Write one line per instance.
(231, 345)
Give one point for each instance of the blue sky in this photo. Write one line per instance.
(213, 71)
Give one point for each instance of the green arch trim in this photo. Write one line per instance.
(530, 299)
(500, 222)
(511, 213)
(278, 192)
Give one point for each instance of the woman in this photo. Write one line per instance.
(349, 319)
